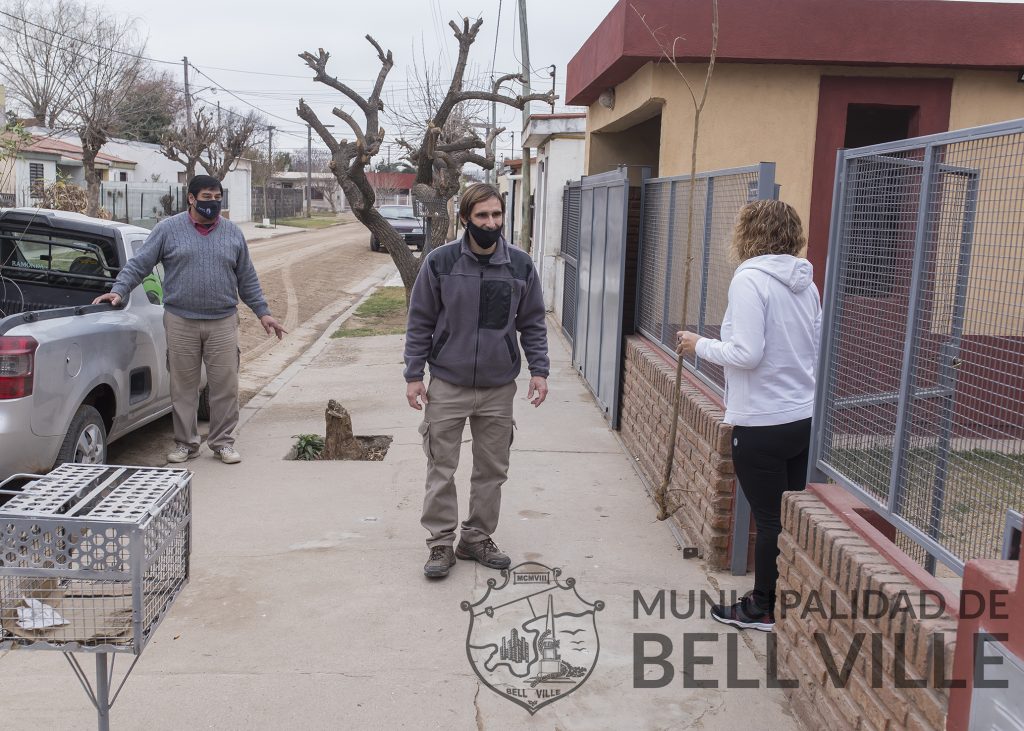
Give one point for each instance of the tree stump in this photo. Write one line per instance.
(339, 442)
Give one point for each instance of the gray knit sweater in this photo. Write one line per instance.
(204, 276)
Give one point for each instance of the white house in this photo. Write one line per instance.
(558, 142)
(138, 182)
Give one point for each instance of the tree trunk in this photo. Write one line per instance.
(90, 148)
(339, 442)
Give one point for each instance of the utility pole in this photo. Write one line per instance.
(188, 98)
(524, 37)
(309, 171)
(552, 72)
(270, 169)
(492, 174)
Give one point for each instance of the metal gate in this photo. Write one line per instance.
(919, 409)
(597, 348)
(571, 197)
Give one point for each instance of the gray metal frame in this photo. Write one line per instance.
(926, 536)
(107, 550)
(766, 188)
(597, 346)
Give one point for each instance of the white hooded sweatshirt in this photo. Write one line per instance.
(769, 344)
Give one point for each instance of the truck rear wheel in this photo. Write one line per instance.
(86, 439)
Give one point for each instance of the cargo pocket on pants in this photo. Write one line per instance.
(424, 430)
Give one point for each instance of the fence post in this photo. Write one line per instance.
(709, 203)
(766, 188)
(947, 379)
(922, 236)
(127, 207)
(668, 257)
(829, 322)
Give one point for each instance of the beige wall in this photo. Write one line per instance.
(763, 112)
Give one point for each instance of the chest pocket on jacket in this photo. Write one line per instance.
(495, 303)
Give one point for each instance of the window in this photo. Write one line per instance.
(122, 176)
(36, 179)
(46, 252)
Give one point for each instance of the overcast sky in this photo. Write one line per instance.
(230, 34)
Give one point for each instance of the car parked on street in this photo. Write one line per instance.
(74, 376)
(405, 222)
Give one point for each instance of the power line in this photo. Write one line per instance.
(497, 29)
(80, 40)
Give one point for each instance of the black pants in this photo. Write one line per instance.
(769, 460)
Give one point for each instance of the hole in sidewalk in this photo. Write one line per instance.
(373, 449)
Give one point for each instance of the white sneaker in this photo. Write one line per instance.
(228, 455)
(182, 453)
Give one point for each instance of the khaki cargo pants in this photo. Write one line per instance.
(489, 411)
(190, 344)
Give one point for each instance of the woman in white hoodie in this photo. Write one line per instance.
(769, 350)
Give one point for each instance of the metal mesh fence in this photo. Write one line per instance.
(143, 204)
(279, 203)
(921, 386)
(717, 197)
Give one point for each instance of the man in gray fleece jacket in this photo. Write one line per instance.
(206, 268)
(470, 298)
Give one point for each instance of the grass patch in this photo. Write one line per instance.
(314, 222)
(383, 313)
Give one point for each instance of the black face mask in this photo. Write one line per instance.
(483, 237)
(207, 209)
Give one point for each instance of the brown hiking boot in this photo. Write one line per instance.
(441, 559)
(484, 552)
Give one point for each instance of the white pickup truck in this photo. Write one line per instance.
(74, 376)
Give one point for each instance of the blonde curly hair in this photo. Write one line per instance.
(767, 227)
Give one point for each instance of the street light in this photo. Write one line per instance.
(309, 168)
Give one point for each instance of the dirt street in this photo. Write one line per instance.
(309, 279)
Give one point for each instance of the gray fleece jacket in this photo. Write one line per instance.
(463, 317)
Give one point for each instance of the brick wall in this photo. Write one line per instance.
(820, 552)
(703, 466)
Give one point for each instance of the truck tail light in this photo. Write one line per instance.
(17, 366)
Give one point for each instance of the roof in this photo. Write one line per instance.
(398, 181)
(934, 33)
(54, 146)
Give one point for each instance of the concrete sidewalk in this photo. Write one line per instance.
(307, 606)
(254, 232)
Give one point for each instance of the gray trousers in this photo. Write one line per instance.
(489, 411)
(190, 344)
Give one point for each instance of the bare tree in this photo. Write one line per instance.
(235, 134)
(668, 51)
(215, 142)
(438, 162)
(39, 40)
(187, 142)
(102, 80)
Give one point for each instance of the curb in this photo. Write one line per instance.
(368, 286)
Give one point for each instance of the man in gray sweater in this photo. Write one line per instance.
(206, 269)
(471, 297)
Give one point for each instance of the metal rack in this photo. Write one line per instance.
(91, 559)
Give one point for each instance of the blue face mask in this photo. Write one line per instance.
(207, 209)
